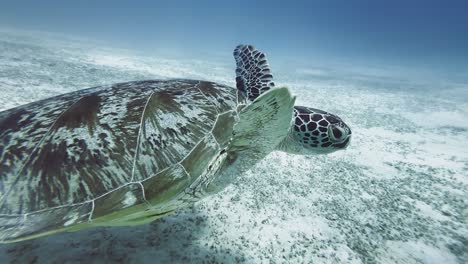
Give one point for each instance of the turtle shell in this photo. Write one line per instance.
(85, 157)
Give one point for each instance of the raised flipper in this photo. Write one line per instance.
(253, 75)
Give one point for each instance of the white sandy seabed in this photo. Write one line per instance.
(398, 194)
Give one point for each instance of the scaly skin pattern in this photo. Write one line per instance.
(113, 155)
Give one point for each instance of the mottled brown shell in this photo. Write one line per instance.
(85, 155)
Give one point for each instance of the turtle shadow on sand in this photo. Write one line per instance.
(173, 239)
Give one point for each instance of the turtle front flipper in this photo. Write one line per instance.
(267, 116)
(264, 123)
(253, 76)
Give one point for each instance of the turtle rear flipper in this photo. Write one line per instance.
(264, 123)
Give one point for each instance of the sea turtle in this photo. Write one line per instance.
(130, 153)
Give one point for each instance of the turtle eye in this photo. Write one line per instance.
(337, 133)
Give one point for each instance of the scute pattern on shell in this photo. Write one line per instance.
(23, 127)
(80, 156)
(89, 143)
(173, 123)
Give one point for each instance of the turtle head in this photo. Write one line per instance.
(316, 132)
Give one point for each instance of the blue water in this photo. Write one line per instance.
(396, 72)
(428, 34)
